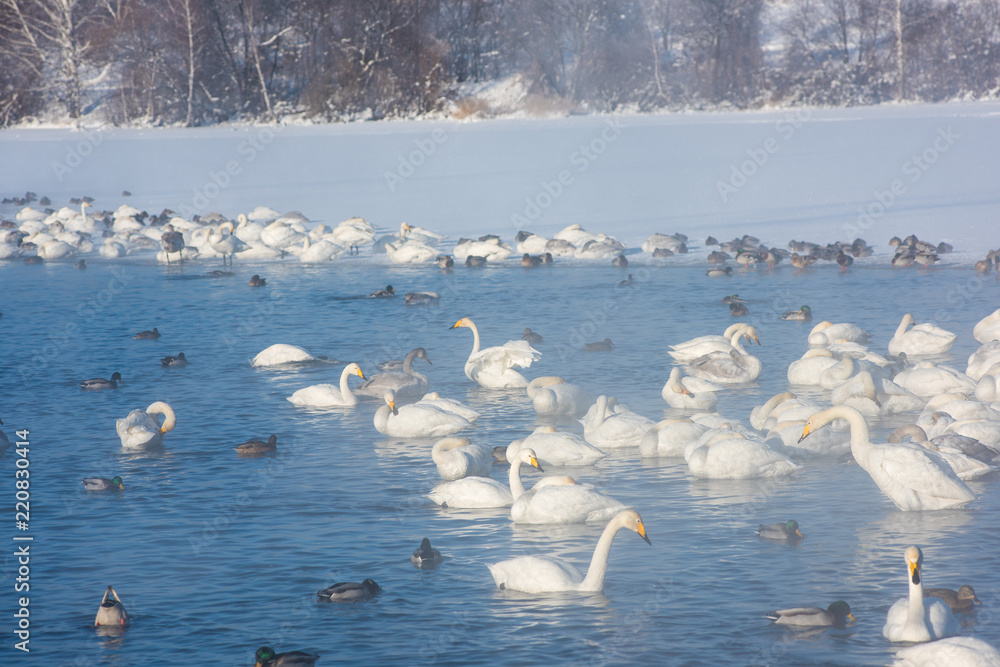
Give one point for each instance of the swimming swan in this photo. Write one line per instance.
(483, 492)
(951, 651)
(328, 395)
(551, 395)
(702, 345)
(544, 574)
(613, 427)
(925, 338)
(557, 448)
(282, 353)
(727, 454)
(914, 619)
(689, 393)
(405, 383)
(455, 458)
(416, 420)
(563, 500)
(735, 366)
(493, 366)
(912, 477)
(141, 428)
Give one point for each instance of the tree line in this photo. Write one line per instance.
(198, 62)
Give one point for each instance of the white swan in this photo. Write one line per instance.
(557, 448)
(416, 420)
(141, 428)
(875, 398)
(406, 383)
(493, 367)
(926, 379)
(735, 366)
(828, 333)
(608, 429)
(923, 338)
(988, 387)
(965, 466)
(456, 458)
(563, 500)
(551, 395)
(483, 492)
(810, 366)
(726, 454)
(915, 618)
(910, 476)
(492, 249)
(282, 353)
(688, 393)
(319, 251)
(544, 574)
(329, 395)
(950, 651)
(702, 345)
(223, 242)
(983, 359)
(410, 252)
(434, 399)
(411, 232)
(988, 328)
(669, 437)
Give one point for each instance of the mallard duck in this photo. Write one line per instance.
(844, 260)
(528, 261)
(266, 657)
(350, 591)
(600, 346)
(112, 611)
(383, 293)
(718, 272)
(179, 360)
(475, 261)
(101, 383)
(803, 314)
(425, 555)
(103, 484)
(258, 447)
(738, 310)
(801, 261)
(155, 333)
(786, 532)
(446, 262)
(257, 281)
(532, 337)
(961, 600)
(837, 614)
(421, 298)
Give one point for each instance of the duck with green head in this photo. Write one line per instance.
(803, 314)
(266, 657)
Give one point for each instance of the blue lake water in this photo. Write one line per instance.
(214, 555)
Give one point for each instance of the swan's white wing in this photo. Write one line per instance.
(319, 396)
(535, 574)
(563, 503)
(696, 385)
(472, 493)
(512, 353)
(965, 651)
(916, 478)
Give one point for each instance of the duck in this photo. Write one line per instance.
(141, 429)
(103, 484)
(416, 420)
(912, 619)
(961, 600)
(844, 260)
(258, 447)
(179, 360)
(328, 395)
(803, 314)
(283, 353)
(266, 657)
(608, 425)
(112, 611)
(600, 346)
(421, 298)
(445, 262)
(738, 310)
(425, 555)
(533, 337)
(912, 477)
(552, 395)
(545, 574)
(408, 382)
(836, 615)
(689, 393)
(733, 298)
(621, 261)
(558, 448)
(628, 282)
(951, 651)
(735, 366)
(923, 338)
(257, 281)
(154, 334)
(349, 591)
(100, 383)
(383, 293)
(483, 492)
(782, 532)
(528, 261)
(493, 367)
(719, 271)
(475, 261)
(696, 347)
(801, 261)
(456, 458)
(563, 500)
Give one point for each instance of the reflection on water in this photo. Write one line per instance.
(229, 551)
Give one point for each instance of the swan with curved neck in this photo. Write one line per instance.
(912, 477)
(702, 345)
(544, 574)
(483, 492)
(493, 367)
(409, 381)
(925, 338)
(620, 428)
(913, 618)
(141, 428)
(328, 395)
(455, 458)
(688, 393)
(552, 395)
(417, 420)
(734, 366)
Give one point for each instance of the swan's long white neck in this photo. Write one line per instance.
(768, 408)
(408, 362)
(915, 615)
(514, 476)
(345, 389)
(475, 337)
(674, 381)
(161, 408)
(736, 342)
(903, 324)
(594, 581)
(602, 411)
(860, 445)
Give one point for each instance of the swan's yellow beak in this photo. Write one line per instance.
(914, 571)
(534, 462)
(360, 374)
(456, 325)
(642, 532)
(805, 432)
(406, 226)
(686, 392)
(392, 406)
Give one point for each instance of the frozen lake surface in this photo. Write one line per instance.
(215, 555)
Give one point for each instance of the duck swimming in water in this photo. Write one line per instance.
(425, 555)
(258, 447)
(803, 314)
(179, 360)
(383, 293)
(100, 383)
(350, 591)
(155, 333)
